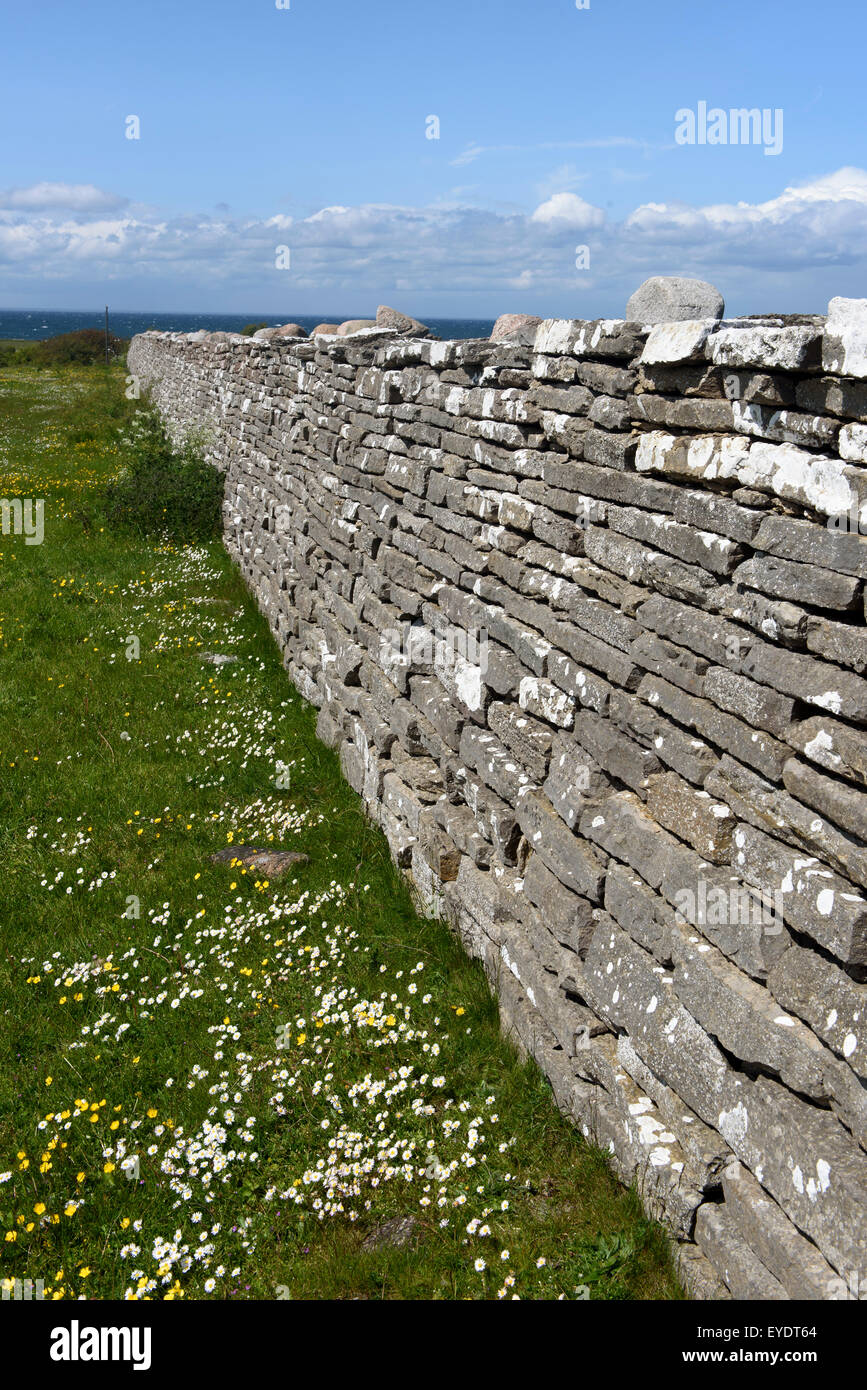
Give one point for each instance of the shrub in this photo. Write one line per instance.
(164, 488)
(250, 328)
(13, 354)
(85, 347)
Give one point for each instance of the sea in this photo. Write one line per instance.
(48, 323)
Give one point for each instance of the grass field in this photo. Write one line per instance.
(212, 1085)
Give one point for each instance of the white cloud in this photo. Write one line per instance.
(569, 209)
(845, 189)
(792, 251)
(76, 197)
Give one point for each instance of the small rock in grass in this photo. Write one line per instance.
(272, 863)
(395, 1234)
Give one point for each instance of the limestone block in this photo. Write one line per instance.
(718, 1236)
(676, 342)
(574, 863)
(844, 347)
(787, 347)
(695, 816)
(794, 1261)
(832, 1003)
(815, 900)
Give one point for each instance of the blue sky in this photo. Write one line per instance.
(305, 127)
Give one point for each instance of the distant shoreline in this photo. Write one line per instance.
(33, 325)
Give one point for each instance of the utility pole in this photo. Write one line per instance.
(106, 335)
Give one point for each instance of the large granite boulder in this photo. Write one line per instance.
(669, 298)
(285, 330)
(515, 328)
(329, 328)
(355, 326)
(396, 322)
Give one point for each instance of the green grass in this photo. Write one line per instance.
(118, 780)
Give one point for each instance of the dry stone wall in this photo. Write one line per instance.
(584, 617)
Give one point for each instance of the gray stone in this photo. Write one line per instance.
(642, 1149)
(844, 348)
(670, 298)
(574, 778)
(625, 986)
(640, 911)
(543, 699)
(270, 863)
(528, 739)
(801, 583)
(813, 545)
(840, 803)
(832, 745)
(778, 814)
(573, 862)
(675, 341)
(813, 899)
(615, 751)
(719, 728)
(684, 414)
(758, 345)
(694, 816)
(720, 1239)
(744, 1017)
(705, 1147)
(806, 1160)
(794, 1261)
(565, 913)
(745, 1275)
(834, 1005)
(758, 705)
(393, 1234)
(588, 338)
(698, 1276)
(692, 758)
(624, 829)
(830, 395)
(496, 766)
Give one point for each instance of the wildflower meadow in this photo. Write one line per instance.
(215, 1085)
